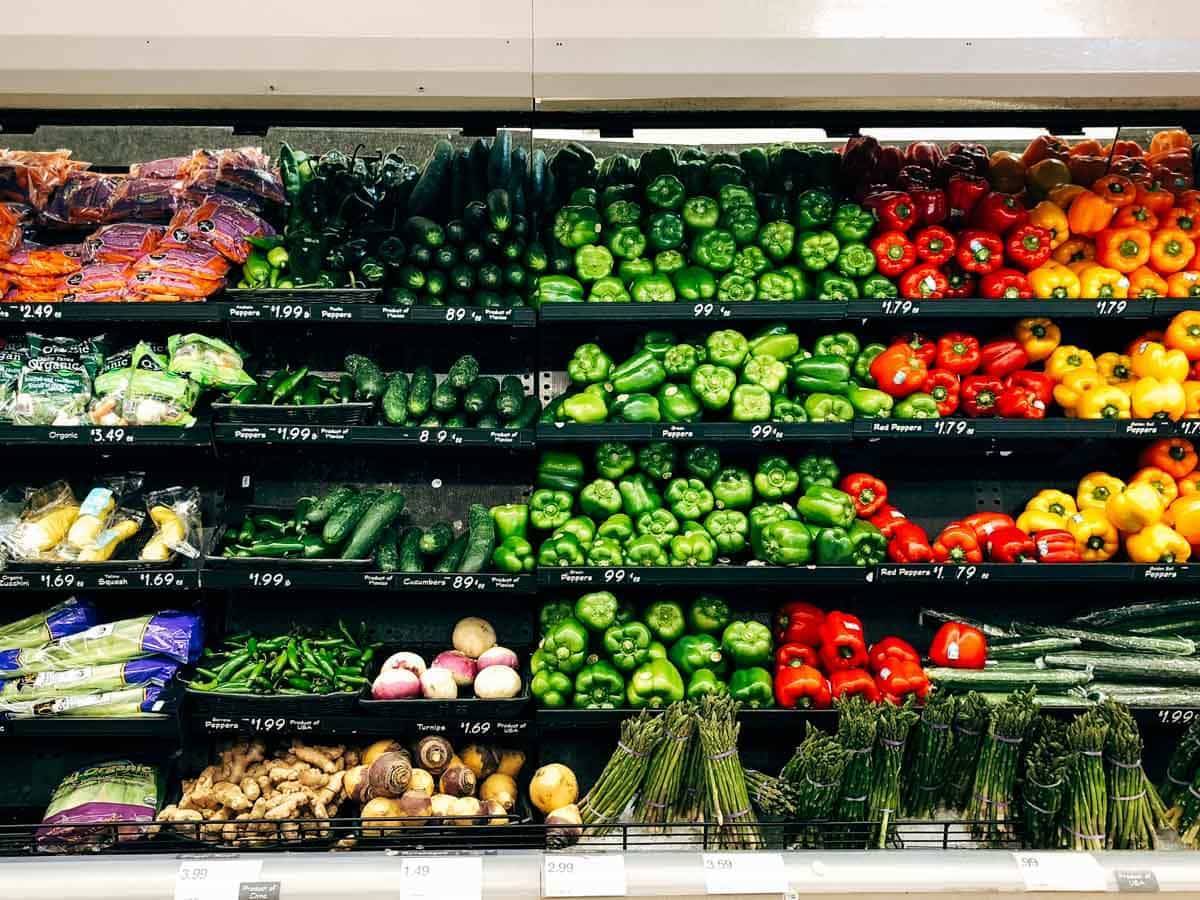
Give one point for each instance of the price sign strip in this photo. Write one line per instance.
(1062, 870)
(584, 875)
(210, 878)
(441, 878)
(744, 873)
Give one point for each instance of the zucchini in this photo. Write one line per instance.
(519, 165)
(1139, 613)
(453, 555)
(1032, 648)
(479, 163)
(446, 257)
(1160, 646)
(499, 165)
(369, 381)
(456, 232)
(343, 519)
(530, 408)
(320, 511)
(491, 276)
(473, 254)
(460, 181)
(941, 617)
(427, 193)
(420, 392)
(1047, 681)
(1135, 667)
(445, 397)
(409, 552)
(436, 282)
(387, 555)
(535, 185)
(436, 539)
(511, 396)
(481, 395)
(395, 399)
(421, 230)
(463, 371)
(372, 524)
(475, 217)
(482, 539)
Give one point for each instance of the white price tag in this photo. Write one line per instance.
(1063, 870)
(744, 873)
(214, 879)
(591, 875)
(441, 878)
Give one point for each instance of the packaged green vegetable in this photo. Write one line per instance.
(208, 361)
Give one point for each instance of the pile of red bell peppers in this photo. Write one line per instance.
(825, 655)
(979, 537)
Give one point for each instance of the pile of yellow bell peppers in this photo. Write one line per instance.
(1155, 378)
(1155, 515)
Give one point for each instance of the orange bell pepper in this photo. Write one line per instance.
(1117, 190)
(1054, 281)
(1064, 195)
(1171, 250)
(1170, 139)
(1123, 148)
(1155, 199)
(1087, 147)
(1074, 250)
(1159, 479)
(1135, 216)
(1175, 456)
(1123, 249)
(1154, 399)
(1191, 399)
(1184, 516)
(1050, 217)
(1038, 337)
(1145, 336)
(1184, 285)
(1183, 333)
(1150, 359)
(1098, 282)
(1189, 484)
(1145, 284)
(1185, 219)
(1089, 214)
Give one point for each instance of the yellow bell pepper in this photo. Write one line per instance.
(1054, 281)
(1074, 250)
(1157, 543)
(1095, 536)
(1096, 488)
(1038, 337)
(1152, 398)
(1160, 480)
(1051, 217)
(1116, 370)
(1151, 359)
(1073, 386)
(1060, 503)
(1104, 401)
(1033, 520)
(1068, 358)
(1191, 399)
(1134, 508)
(1097, 282)
(1184, 516)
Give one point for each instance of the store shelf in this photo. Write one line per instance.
(156, 726)
(300, 306)
(731, 432)
(699, 578)
(688, 311)
(401, 725)
(999, 309)
(284, 575)
(1034, 573)
(199, 435)
(98, 577)
(373, 435)
(109, 312)
(1019, 429)
(553, 720)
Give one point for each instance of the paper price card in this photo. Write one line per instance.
(744, 873)
(1061, 871)
(214, 879)
(590, 875)
(441, 878)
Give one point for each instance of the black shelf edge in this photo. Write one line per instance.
(999, 309)
(302, 306)
(110, 312)
(447, 725)
(372, 435)
(689, 311)
(198, 435)
(1037, 573)
(267, 576)
(550, 720)
(98, 577)
(162, 726)
(1019, 429)
(731, 575)
(732, 432)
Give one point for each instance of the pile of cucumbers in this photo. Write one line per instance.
(437, 548)
(462, 399)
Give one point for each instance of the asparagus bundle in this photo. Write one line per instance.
(665, 771)
(1182, 765)
(730, 801)
(816, 771)
(1045, 785)
(1185, 815)
(932, 745)
(773, 796)
(990, 805)
(624, 772)
(1087, 793)
(883, 802)
(688, 804)
(858, 722)
(970, 723)
(1135, 811)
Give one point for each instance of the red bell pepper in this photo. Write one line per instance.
(1056, 545)
(944, 387)
(958, 544)
(1038, 382)
(867, 491)
(961, 285)
(853, 683)
(898, 370)
(934, 245)
(958, 352)
(899, 680)
(894, 253)
(1002, 357)
(963, 193)
(909, 544)
(860, 157)
(1028, 246)
(959, 646)
(795, 655)
(1010, 545)
(924, 347)
(887, 170)
(914, 178)
(976, 153)
(932, 208)
(887, 519)
(802, 687)
(799, 623)
(1005, 284)
(925, 282)
(1017, 402)
(843, 642)
(890, 649)
(979, 393)
(926, 154)
(985, 523)
(980, 251)
(998, 212)
(895, 210)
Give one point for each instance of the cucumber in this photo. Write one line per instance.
(535, 258)
(535, 186)
(1032, 648)
(460, 180)
(473, 254)
(1171, 627)
(475, 217)
(457, 420)
(427, 193)
(320, 511)
(488, 420)
(499, 206)
(1066, 701)
(1047, 681)
(431, 421)
(446, 257)
(420, 255)
(436, 539)
(409, 552)
(464, 370)
(395, 399)
(1135, 667)
(353, 361)
(479, 163)
(490, 276)
(941, 617)
(456, 231)
(1162, 646)
(372, 524)
(436, 282)
(516, 180)
(387, 555)
(453, 555)
(530, 408)
(369, 381)
(420, 392)
(462, 278)
(343, 519)
(419, 230)
(1139, 613)
(481, 395)
(500, 160)
(482, 539)
(445, 397)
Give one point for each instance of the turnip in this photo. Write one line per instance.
(396, 684)
(497, 656)
(404, 660)
(553, 787)
(497, 683)
(461, 666)
(438, 684)
(474, 636)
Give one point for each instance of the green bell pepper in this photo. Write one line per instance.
(510, 520)
(589, 364)
(617, 527)
(628, 645)
(777, 240)
(587, 407)
(658, 650)
(787, 411)
(704, 682)
(593, 261)
(660, 524)
(701, 213)
(777, 341)
(565, 646)
(656, 288)
(549, 509)
(577, 225)
(694, 283)
(764, 514)
(696, 651)
(655, 684)
(561, 550)
(582, 528)
(843, 344)
(696, 548)
(658, 459)
(665, 192)
(641, 372)
(678, 403)
(747, 643)
(605, 551)
(550, 688)
(870, 546)
(814, 209)
(742, 222)
(645, 550)
(714, 250)
(765, 371)
(630, 270)
(783, 543)
(776, 478)
(862, 364)
(626, 242)
(817, 470)
(639, 407)
(852, 223)
(714, 385)
(732, 195)
(513, 555)
(733, 489)
(613, 459)
(751, 403)
(855, 260)
(638, 495)
(870, 403)
(657, 342)
(824, 374)
(597, 611)
(703, 462)
(736, 287)
(620, 213)
(584, 196)
(750, 262)
(817, 250)
(608, 290)
(665, 619)
(708, 614)
(833, 547)
(803, 289)
(599, 686)
(916, 406)
(688, 498)
(557, 289)
(776, 287)
(668, 262)
(826, 506)
(752, 687)
(878, 287)
(832, 286)
(821, 407)
(665, 230)
(551, 613)
(729, 529)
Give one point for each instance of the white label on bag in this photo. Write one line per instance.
(1062, 870)
(441, 878)
(744, 873)
(590, 875)
(214, 879)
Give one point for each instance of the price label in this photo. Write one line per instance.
(1061, 871)
(468, 583)
(456, 314)
(295, 433)
(590, 875)
(1188, 427)
(953, 427)
(711, 311)
(214, 879)
(475, 729)
(899, 307)
(1136, 881)
(441, 878)
(962, 574)
(269, 580)
(438, 436)
(1111, 308)
(766, 433)
(744, 873)
(111, 436)
(65, 580)
(621, 576)
(265, 724)
(159, 579)
(288, 312)
(38, 311)
(1176, 716)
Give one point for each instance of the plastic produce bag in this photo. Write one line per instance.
(29, 176)
(175, 513)
(129, 701)
(126, 242)
(84, 198)
(145, 200)
(48, 515)
(116, 676)
(208, 361)
(175, 634)
(97, 509)
(135, 387)
(219, 223)
(87, 802)
(58, 621)
(14, 218)
(55, 385)
(161, 285)
(171, 168)
(197, 261)
(13, 358)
